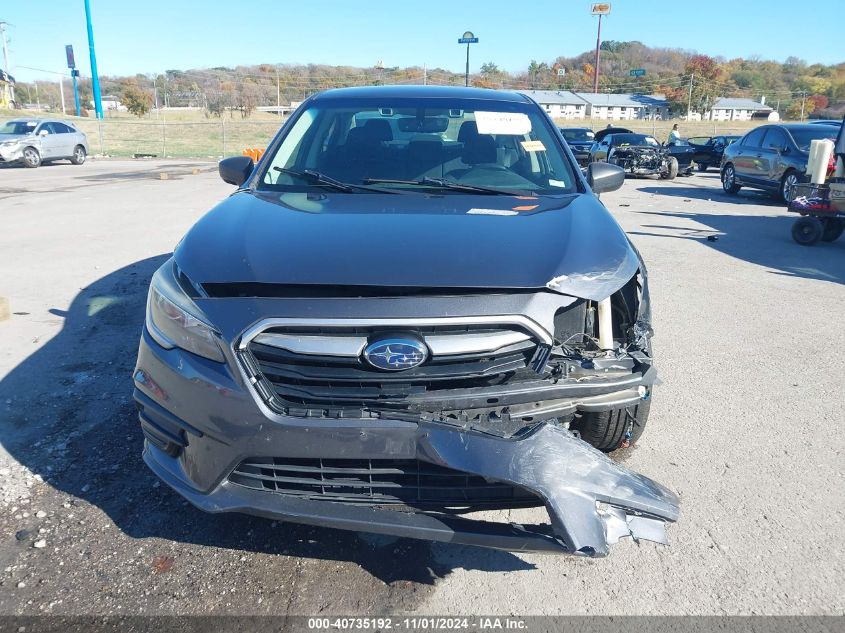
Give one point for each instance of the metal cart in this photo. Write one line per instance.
(822, 206)
(821, 218)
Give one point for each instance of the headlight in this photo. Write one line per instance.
(9, 143)
(173, 319)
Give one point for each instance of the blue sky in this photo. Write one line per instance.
(154, 35)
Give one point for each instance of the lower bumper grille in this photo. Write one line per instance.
(389, 482)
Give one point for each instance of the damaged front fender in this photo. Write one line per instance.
(592, 501)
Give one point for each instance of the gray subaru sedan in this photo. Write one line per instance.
(413, 307)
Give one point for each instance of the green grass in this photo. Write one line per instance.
(190, 134)
(182, 134)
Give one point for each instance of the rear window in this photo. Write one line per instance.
(574, 134)
(803, 136)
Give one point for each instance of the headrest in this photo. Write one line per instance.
(469, 130)
(378, 130)
(481, 149)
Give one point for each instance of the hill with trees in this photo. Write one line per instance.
(683, 76)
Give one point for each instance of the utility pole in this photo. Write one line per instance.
(6, 54)
(803, 101)
(95, 78)
(598, 58)
(425, 75)
(689, 100)
(278, 93)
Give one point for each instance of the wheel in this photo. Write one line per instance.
(31, 157)
(617, 428)
(703, 166)
(729, 179)
(671, 169)
(832, 229)
(790, 179)
(807, 230)
(78, 155)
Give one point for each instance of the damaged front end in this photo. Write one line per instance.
(640, 161)
(503, 398)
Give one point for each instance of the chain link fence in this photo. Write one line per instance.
(176, 139)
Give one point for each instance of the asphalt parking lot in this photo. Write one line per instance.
(745, 428)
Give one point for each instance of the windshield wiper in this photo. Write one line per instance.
(319, 178)
(448, 184)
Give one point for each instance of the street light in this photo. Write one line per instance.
(599, 9)
(467, 38)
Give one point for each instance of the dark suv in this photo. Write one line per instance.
(771, 157)
(413, 302)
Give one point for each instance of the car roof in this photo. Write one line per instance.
(421, 92)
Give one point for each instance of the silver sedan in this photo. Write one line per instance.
(36, 141)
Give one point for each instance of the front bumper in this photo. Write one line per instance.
(201, 421)
(11, 154)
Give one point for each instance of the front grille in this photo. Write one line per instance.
(293, 381)
(390, 482)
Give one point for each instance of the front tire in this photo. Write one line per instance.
(789, 179)
(807, 230)
(729, 180)
(671, 169)
(617, 428)
(78, 156)
(31, 157)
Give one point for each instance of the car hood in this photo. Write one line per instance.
(12, 137)
(570, 244)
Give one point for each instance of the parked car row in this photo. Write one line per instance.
(33, 142)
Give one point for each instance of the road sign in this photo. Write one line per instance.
(638, 72)
(71, 63)
(468, 38)
(600, 8)
(561, 72)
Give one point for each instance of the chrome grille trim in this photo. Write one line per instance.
(516, 319)
(353, 346)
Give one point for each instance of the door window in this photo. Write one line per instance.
(754, 138)
(775, 139)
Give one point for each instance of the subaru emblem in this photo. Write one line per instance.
(395, 354)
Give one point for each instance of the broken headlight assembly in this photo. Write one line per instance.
(173, 319)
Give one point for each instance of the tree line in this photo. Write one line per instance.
(686, 78)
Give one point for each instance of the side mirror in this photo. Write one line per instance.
(236, 169)
(604, 177)
(784, 149)
(43, 133)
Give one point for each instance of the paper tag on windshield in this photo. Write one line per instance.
(492, 212)
(533, 146)
(513, 123)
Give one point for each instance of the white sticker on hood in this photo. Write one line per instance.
(513, 123)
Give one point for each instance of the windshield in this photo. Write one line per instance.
(575, 134)
(634, 139)
(18, 127)
(803, 136)
(475, 143)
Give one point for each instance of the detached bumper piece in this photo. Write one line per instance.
(592, 501)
